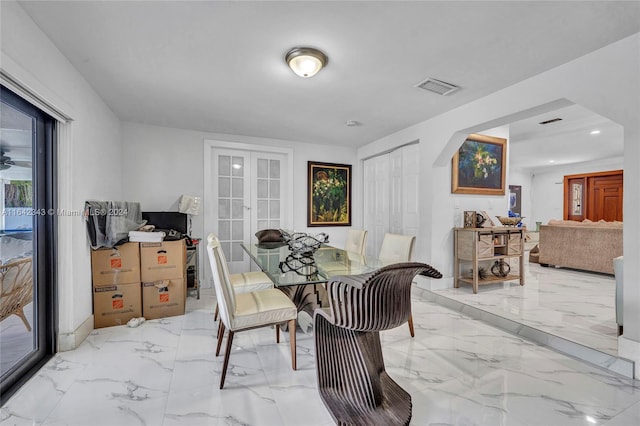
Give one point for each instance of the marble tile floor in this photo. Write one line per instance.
(575, 305)
(458, 370)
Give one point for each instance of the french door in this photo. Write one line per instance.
(249, 193)
(27, 234)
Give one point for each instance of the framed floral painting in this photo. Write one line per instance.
(478, 167)
(329, 189)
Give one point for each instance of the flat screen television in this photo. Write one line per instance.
(167, 220)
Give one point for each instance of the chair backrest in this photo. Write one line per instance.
(377, 300)
(397, 248)
(356, 239)
(221, 280)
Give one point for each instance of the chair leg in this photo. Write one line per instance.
(292, 341)
(226, 358)
(277, 333)
(215, 314)
(220, 337)
(20, 313)
(410, 322)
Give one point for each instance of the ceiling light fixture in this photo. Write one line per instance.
(595, 132)
(352, 123)
(306, 61)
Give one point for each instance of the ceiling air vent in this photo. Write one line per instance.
(553, 120)
(437, 86)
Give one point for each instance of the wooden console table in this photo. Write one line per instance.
(475, 245)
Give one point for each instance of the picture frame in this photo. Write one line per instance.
(479, 165)
(329, 194)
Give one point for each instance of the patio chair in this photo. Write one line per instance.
(17, 288)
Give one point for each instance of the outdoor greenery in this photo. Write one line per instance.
(18, 193)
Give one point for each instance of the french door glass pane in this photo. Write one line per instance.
(17, 320)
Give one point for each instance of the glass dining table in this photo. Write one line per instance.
(301, 277)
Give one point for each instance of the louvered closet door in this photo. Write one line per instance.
(376, 202)
(391, 188)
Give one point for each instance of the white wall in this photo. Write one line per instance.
(160, 164)
(89, 160)
(582, 81)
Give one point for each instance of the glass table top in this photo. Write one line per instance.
(286, 268)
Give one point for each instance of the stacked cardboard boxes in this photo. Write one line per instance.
(138, 279)
(116, 285)
(163, 268)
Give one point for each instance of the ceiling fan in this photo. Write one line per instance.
(6, 162)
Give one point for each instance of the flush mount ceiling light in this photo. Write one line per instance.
(306, 61)
(595, 132)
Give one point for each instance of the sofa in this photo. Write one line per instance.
(586, 245)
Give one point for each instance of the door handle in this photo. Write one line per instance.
(247, 207)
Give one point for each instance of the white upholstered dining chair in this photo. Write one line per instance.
(356, 241)
(246, 282)
(246, 311)
(398, 248)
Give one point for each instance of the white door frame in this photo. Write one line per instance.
(209, 146)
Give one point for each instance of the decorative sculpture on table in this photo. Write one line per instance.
(302, 244)
(300, 260)
(352, 380)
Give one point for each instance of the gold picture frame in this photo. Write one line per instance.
(329, 194)
(478, 167)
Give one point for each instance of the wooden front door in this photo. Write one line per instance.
(594, 196)
(606, 197)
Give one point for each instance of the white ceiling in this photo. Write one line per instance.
(218, 66)
(535, 146)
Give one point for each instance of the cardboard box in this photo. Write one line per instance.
(163, 261)
(116, 304)
(163, 298)
(118, 265)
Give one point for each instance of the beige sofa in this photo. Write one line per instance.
(590, 246)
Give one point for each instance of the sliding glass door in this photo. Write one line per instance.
(27, 240)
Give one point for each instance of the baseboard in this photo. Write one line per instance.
(70, 341)
(630, 349)
(432, 283)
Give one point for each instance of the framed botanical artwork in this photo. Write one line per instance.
(329, 193)
(478, 167)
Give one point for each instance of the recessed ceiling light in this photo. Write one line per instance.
(595, 132)
(352, 123)
(552, 161)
